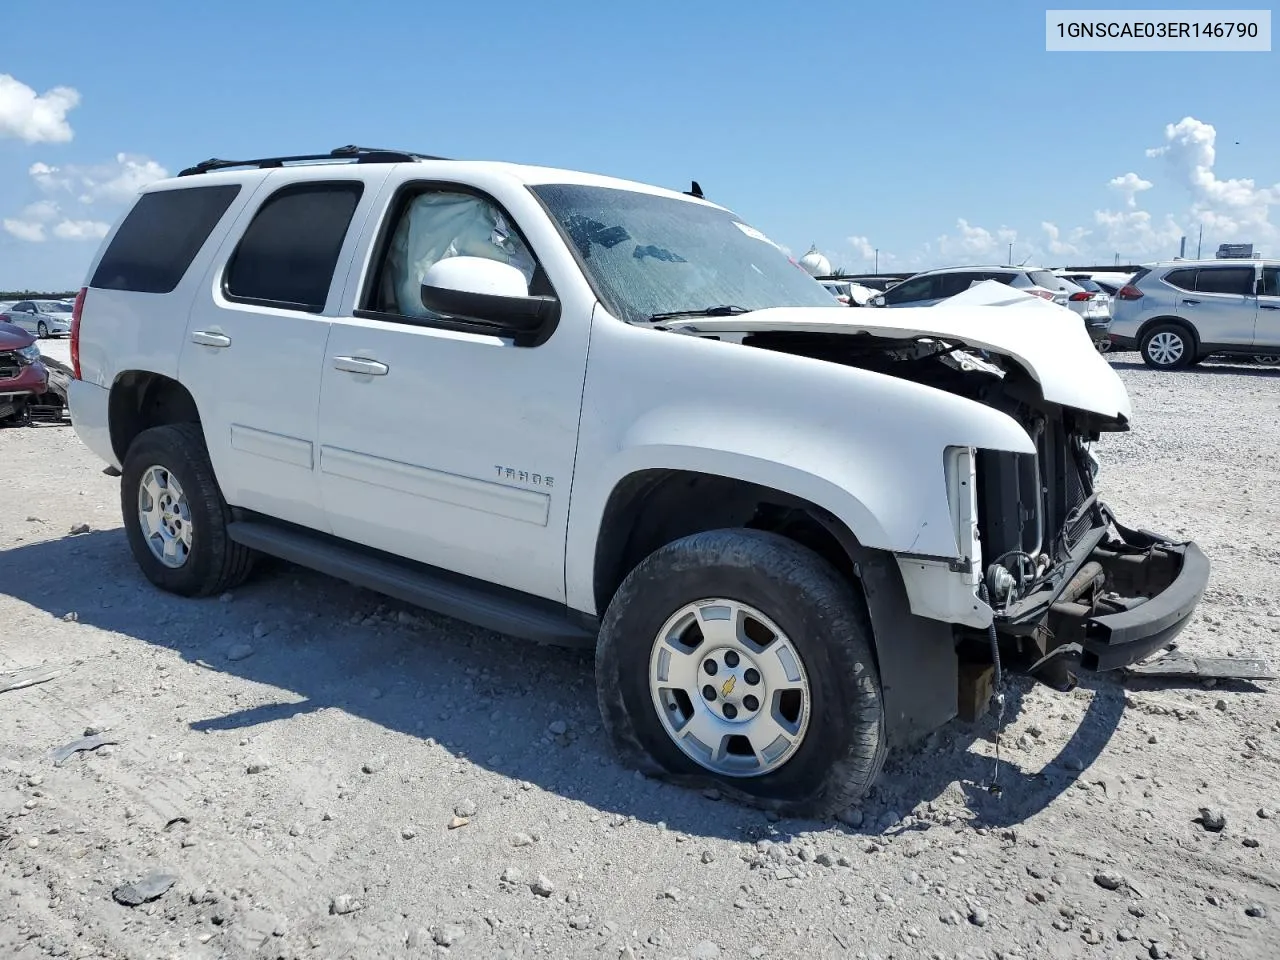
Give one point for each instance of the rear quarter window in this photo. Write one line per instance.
(159, 238)
(1184, 279)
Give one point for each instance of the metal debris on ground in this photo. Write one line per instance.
(27, 677)
(60, 755)
(1178, 666)
(150, 887)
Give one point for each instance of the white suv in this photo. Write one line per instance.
(587, 411)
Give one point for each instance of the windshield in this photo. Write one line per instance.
(648, 254)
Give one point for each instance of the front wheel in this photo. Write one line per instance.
(1167, 347)
(42, 330)
(174, 514)
(741, 659)
(1267, 359)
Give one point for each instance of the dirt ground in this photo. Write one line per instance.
(325, 774)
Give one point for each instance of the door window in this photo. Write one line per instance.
(433, 225)
(909, 291)
(1271, 281)
(290, 250)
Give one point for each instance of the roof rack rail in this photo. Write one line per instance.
(351, 153)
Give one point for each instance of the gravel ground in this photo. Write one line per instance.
(307, 770)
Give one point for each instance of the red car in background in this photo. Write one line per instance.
(23, 377)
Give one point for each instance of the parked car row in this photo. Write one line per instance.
(44, 318)
(931, 287)
(1180, 312)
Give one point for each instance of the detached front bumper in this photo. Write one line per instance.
(1143, 595)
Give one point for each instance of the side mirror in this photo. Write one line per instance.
(877, 301)
(486, 291)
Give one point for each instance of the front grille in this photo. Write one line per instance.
(9, 365)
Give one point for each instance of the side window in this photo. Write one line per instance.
(1238, 280)
(433, 225)
(1184, 279)
(159, 238)
(1271, 281)
(25, 306)
(909, 291)
(953, 283)
(288, 254)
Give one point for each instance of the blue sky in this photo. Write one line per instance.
(937, 132)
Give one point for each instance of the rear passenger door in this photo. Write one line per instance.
(1224, 306)
(256, 336)
(1267, 326)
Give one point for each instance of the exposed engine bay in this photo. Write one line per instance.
(1054, 558)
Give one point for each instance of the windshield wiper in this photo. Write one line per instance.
(721, 310)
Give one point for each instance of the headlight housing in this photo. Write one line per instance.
(31, 354)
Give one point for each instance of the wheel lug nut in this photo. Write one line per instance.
(731, 659)
(709, 692)
(730, 711)
(710, 666)
(752, 677)
(751, 703)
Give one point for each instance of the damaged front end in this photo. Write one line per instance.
(1069, 586)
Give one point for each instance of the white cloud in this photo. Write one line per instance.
(117, 181)
(863, 247)
(35, 118)
(81, 230)
(1229, 209)
(976, 241)
(1057, 246)
(42, 211)
(1135, 235)
(1130, 185)
(25, 230)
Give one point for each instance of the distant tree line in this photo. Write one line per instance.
(34, 295)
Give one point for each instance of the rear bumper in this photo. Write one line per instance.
(1149, 592)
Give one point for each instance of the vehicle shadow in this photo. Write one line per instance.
(493, 700)
(1208, 367)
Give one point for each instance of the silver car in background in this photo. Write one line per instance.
(1180, 312)
(44, 318)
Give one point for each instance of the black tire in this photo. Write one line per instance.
(42, 330)
(1184, 336)
(826, 621)
(215, 562)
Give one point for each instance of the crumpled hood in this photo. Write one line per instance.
(1049, 341)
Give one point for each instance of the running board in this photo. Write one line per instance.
(478, 603)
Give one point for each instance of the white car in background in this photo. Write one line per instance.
(933, 286)
(849, 293)
(44, 318)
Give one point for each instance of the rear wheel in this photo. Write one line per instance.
(1167, 346)
(174, 514)
(1267, 359)
(741, 659)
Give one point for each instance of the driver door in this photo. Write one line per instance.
(449, 446)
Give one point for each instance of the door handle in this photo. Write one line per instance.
(207, 339)
(1190, 303)
(372, 368)
(1269, 306)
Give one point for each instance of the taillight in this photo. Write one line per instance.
(1042, 294)
(76, 312)
(1082, 295)
(1129, 292)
